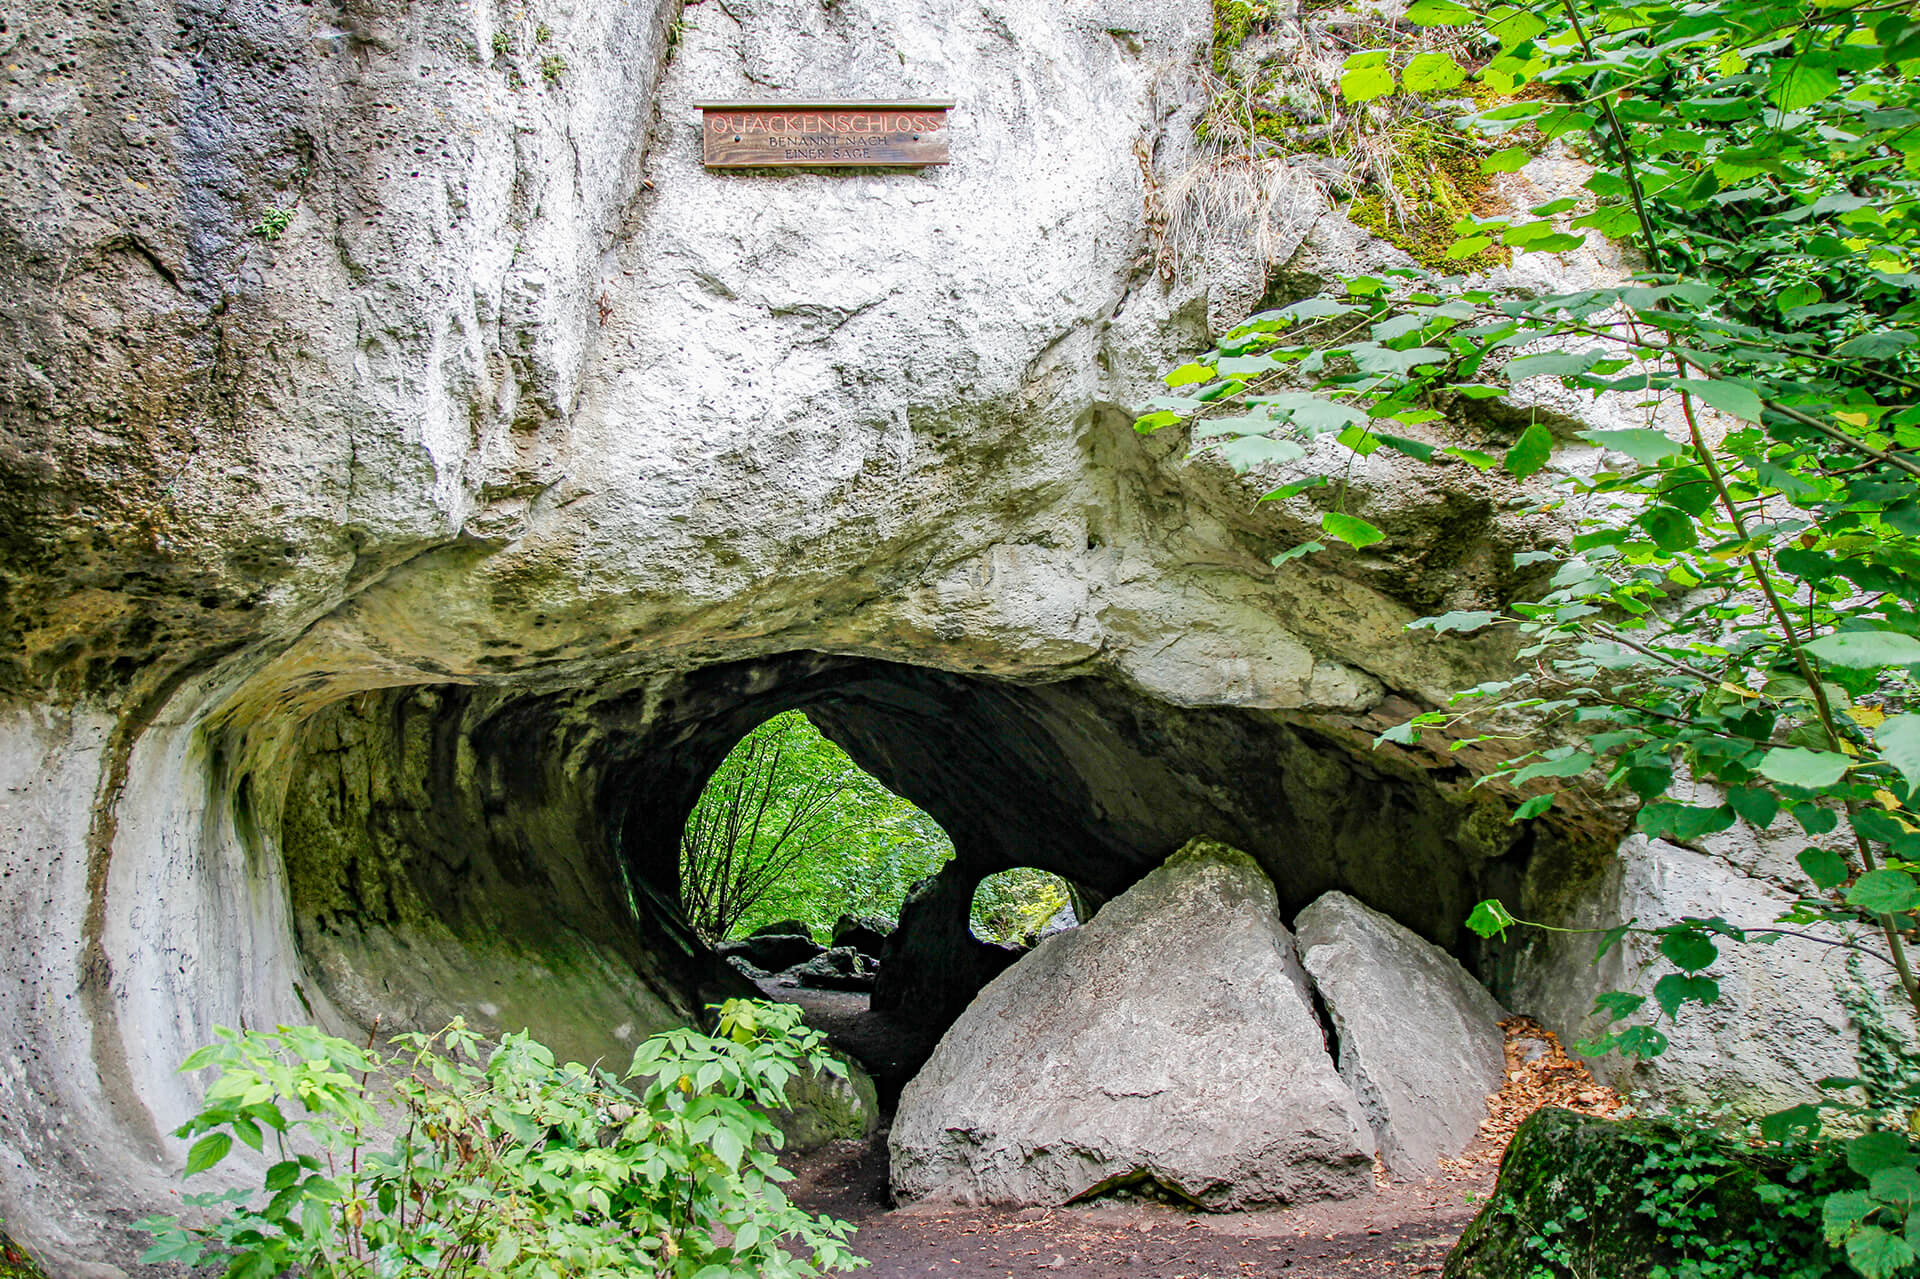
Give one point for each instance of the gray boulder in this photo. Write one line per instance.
(865, 933)
(783, 928)
(822, 1108)
(772, 951)
(1169, 1040)
(1419, 1039)
(842, 968)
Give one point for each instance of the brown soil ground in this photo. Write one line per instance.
(1404, 1228)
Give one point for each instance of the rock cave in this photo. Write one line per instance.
(377, 593)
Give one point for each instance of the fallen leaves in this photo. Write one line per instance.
(1539, 1074)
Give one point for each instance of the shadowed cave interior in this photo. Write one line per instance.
(512, 856)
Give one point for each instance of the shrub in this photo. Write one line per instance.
(502, 1161)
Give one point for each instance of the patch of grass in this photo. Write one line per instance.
(273, 224)
(1437, 181)
(552, 67)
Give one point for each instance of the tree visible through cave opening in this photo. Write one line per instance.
(789, 828)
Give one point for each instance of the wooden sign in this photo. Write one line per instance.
(751, 135)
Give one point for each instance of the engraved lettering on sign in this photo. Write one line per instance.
(744, 135)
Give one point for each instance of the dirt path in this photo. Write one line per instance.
(1404, 1229)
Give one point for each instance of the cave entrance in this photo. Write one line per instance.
(511, 853)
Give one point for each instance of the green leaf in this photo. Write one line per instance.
(1295, 552)
(1870, 1152)
(1570, 765)
(1899, 1187)
(1866, 650)
(1792, 766)
(1550, 364)
(1802, 1120)
(1683, 822)
(1439, 13)
(1793, 83)
(1617, 1004)
(1511, 26)
(1673, 990)
(1190, 375)
(1877, 1254)
(1641, 1041)
(1688, 948)
(1465, 621)
(1532, 808)
(1293, 490)
(1490, 919)
(1642, 444)
(1885, 892)
(1899, 741)
(1244, 452)
(1530, 452)
(1876, 346)
(207, 1152)
(1671, 528)
(1826, 868)
(1757, 806)
(1841, 1212)
(1505, 161)
(1431, 73)
(1349, 529)
(1728, 397)
(1366, 83)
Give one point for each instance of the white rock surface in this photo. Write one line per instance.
(1418, 1038)
(1169, 1039)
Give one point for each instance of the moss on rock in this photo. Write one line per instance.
(15, 1263)
(822, 1108)
(1643, 1199)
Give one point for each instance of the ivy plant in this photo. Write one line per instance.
(1732, 633)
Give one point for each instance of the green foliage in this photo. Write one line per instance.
(504, 1162)
(1012, 906)
(1740, 604)
(14, 1262)
(502, 44)
(789, 827)
(552, 67)
(273, 224)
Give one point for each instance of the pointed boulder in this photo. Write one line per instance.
(1419, 1039)
(1168, 1040)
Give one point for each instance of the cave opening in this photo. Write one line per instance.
(514, 855)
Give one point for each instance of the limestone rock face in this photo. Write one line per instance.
(1168, 1040)
(1419, 1039)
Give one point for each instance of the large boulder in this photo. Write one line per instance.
(1169, 1040)
(865, 933)
(842, 968)
(822, 1108)
(1641, 1199)
(772, 951)
(783, 928)
(1419, 1039)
